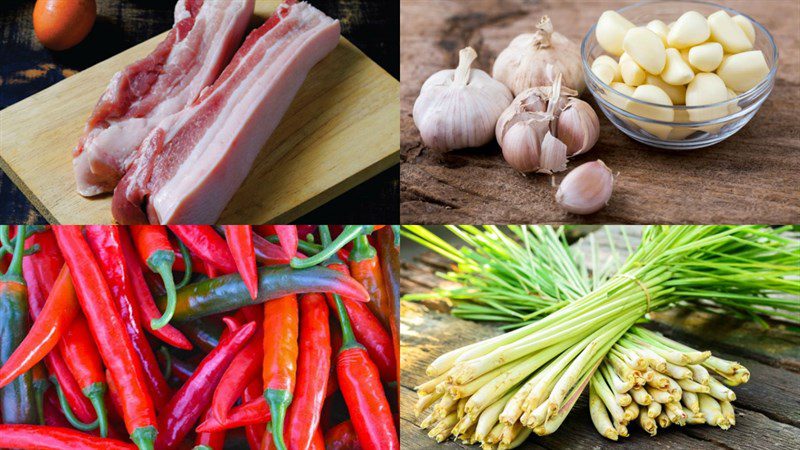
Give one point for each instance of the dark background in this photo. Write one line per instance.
(26, 67)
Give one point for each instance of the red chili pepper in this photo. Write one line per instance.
(253, 412)
(52, 322)
(269, 253)
(313, 366)
(194, 397)
(287, 236)
(254, 432)
(211, 440)
(198, 265)
(365, 268)
(240, 243)
(113, 395)
(317, 440)
(246, 365)
(204, 242)
(53, 438)
(106, 325)
(360, 384)
(144, 299)
(83, 359)
(156, 251)
(368, 331)
(106, 243)
(388, 247)
(41, 268)
(342, 437)
(280, 360)
(78, 403)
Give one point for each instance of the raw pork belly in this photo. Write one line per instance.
(200, 44)
(189, 167)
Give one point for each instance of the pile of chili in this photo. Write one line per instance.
(156, 251)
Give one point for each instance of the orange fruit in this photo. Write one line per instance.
(61, 24)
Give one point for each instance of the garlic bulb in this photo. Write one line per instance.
(459, 108)
(586, 189)
(526, 62)
(538, 133)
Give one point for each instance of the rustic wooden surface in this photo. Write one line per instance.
(751, 177)
(768, 407)
(29, 68)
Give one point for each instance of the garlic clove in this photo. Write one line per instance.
(521, 142)
(578, 127)
(553, 155)
(587, 189)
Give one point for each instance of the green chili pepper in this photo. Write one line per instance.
(228, 292)
(18, 398)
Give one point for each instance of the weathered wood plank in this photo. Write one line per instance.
(749, 178)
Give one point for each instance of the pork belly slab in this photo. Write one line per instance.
(204, 38)
(189, 167)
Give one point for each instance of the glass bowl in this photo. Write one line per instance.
(682, 133)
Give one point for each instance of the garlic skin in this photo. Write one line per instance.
(545, 125)
(524, 63)
(587, 189)
(458, 108)
(578, 127)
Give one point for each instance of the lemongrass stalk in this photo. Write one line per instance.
(663, 420)
(631, 412)
(694, 418)
(430, 385)
(641, 396)
(693, 386)
(727, 412)
(602, 391)
(554, 422)
(445, 406)
(599, 415)
(692, 356)
(427, 421)
(466, 390)
(719, 391)
(647, 423)
(446, 361)
(518, 440)
(678, 372)
(712, 411)
(441, 431)
(659, 395)
(513, 408)
(653, 409)
(613, 379)
(624, 371)
(675, 413)
(622, 399)
(498, 386)
(490, 416)
(495, 435)
(691, 401)
(425, 401)
(510, 433)
(699, 373)
(464, 424)
(547, 379)
(658, 380)
(460, 408)
(631, 358)
(722, 366)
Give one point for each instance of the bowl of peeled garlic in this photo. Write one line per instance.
(679, 75)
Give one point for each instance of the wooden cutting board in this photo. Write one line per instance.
(341, 129)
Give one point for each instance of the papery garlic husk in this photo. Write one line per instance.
(553, 155)
(534, 59)
(578, 127)
(587, 189)
(459, 108)
(532, 100)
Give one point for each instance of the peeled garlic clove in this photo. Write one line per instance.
(728, 33)
(746, 26)
(676, 71)
(587, 189)
(459, 108)
(610, 31)
(690, 29)
(553, 155)
(632, 74)
(578, 127)
(660, 28)
(646, 48)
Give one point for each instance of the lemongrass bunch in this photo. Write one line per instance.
(490, 391)
(654, 381)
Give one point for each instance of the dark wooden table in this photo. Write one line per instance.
(751, 177)
(27, 68)
(767, 407)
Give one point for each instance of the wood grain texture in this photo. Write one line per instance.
(340, 131)
(751, 177)
(767, 407)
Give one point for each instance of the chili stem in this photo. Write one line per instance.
(187, 264)
(350, 232)
(68, 414)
